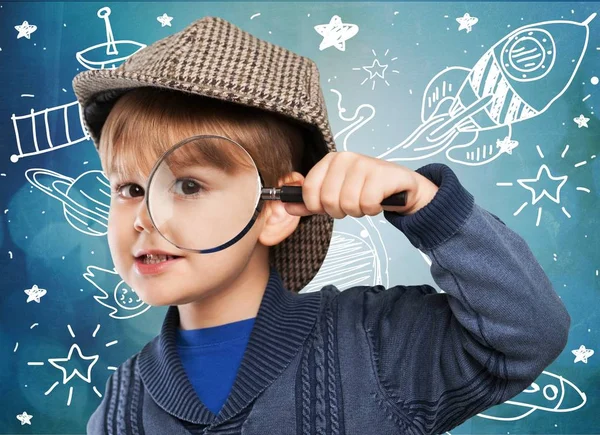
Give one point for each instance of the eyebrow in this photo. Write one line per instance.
(211, 155)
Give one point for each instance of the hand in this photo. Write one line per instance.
(347, 183)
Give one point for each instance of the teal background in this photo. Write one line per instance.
(38, 246)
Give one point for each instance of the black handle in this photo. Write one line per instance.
(294, 194)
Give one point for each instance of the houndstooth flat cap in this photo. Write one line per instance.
(214, 58)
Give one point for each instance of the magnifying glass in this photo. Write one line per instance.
(205, 193)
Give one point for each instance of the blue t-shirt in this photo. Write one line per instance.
(211, 358)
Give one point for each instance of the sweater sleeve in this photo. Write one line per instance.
(442, 358)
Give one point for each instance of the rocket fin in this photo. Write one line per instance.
(476, 148)
(441, 91)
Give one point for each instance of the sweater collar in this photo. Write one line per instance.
(283, 322)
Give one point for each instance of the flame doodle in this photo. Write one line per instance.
(125, 303)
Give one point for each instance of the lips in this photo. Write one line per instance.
(153, 261)
(144, 268)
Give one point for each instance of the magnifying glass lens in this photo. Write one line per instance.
(203, 193)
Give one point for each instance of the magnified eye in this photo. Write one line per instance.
(187, 187)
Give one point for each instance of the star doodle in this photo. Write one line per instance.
(24, 418)
(336, 33)
(582, 354)
(581, 121)
(543, 168)
(25, 30)
(506, 145)
(35, 293)
(56, 363)
(380, 67)
(466, 22)
(165, 20)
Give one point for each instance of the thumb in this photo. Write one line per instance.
(296, 209)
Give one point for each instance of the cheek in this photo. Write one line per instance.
(118, 240)
(227, 262)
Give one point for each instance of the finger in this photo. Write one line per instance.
(403, 180)
(296, 209)
(371, 196)
(311, 188)
(351, 191)
(332, 184)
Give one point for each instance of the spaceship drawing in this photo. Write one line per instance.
(518, 78)
(550, 393)
(106, 54)
(54, 128)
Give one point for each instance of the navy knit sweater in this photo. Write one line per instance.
(369, 360)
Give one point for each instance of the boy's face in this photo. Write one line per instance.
(173, 281)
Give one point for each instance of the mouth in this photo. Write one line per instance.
(153, 263)
(155, 258)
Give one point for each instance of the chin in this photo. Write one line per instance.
(155, 299)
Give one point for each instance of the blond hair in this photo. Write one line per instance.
(146, 122)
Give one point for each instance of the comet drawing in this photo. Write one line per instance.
(465, 111)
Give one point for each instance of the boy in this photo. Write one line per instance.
(240, 351)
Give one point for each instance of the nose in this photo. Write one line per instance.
(142, 219)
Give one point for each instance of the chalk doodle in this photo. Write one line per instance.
(109, 54)
(25, 30)
(335, 33)
(24, 418)
(518, 78)
(526, 184)
(35, 294)
(581, 121)
(353, 259)
(26, 126)
(85, 200)
(376, 69)
(550, 393)
(544, 174)
(466, 22)
(69, 370)
(164, 20)
(62, 124)
(356, 120)
(582, 354)
(121, 299)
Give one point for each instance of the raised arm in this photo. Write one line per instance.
(444, 357)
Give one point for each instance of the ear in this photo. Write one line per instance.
(278, 224)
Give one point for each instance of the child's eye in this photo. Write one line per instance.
(129, 190)
(187, 187)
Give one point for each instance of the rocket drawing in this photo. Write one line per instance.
(550, 392)
(518, 78)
